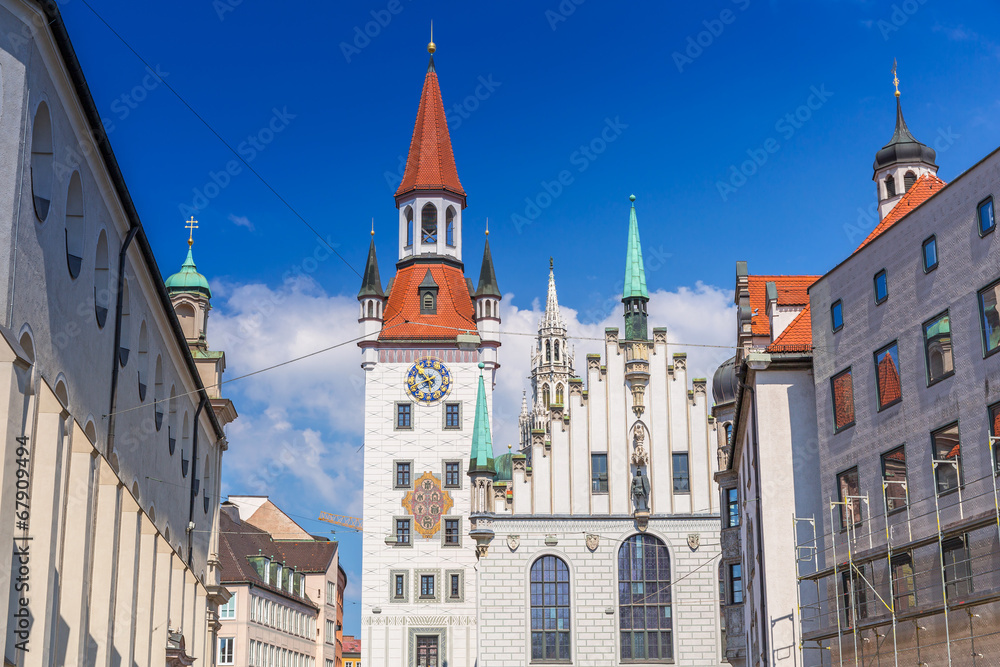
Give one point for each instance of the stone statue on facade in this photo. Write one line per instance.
(640, 491)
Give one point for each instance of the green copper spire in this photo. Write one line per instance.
(635, 271)
(482, 442)
(188, 279)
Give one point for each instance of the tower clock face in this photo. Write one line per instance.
(428, 381)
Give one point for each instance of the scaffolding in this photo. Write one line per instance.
(914, 584)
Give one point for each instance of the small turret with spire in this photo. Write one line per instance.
(901, 162)
(487, 298)
(481, 471)
(372, 300)
(634, 295)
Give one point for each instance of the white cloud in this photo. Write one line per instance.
(300, 425)
(241, 221)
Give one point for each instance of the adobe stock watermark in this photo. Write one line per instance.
(786, 126)
(901, 14)
(581, 158)
(563, 11)
(868, 216)
(363, 36)
(697, 43)
(248, 149)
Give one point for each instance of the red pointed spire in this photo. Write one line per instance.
(431, 163)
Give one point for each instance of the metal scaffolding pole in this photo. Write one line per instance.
(937, 514)
(888, 556)
(836, 587)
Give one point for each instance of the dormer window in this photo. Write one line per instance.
(427, 291)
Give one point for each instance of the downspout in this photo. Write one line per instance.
(760, 533)
(112, 403)
(194, 476)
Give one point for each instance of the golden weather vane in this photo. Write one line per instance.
(895, 79)
(191, 225)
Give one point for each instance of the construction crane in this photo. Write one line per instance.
(341, 520)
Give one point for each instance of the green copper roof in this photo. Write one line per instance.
(505, 468)
(188, 279)
(482, 442)
(635, 271)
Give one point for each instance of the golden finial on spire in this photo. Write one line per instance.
(895, 79)
(431, 48)
(487, 226)
(373, 227)
(191, 225)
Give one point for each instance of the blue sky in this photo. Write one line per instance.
(688, 93)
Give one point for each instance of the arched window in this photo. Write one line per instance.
(428, 224)
(185, 314)
(729, 433)
(428, 305)
(185, 444)
(890, 187)
(488, 309)
(557, 351)
(74, 225)
(548, 350)
(644, 610)
(545, 396)
(550, 609)
(102, 278)
(371, 309)
(124, 342)
(143, 361)
(158, 393)
(449, 226)
(41, 162)
(908, 180)
(172, 421)
(559, 394)
(409, 225)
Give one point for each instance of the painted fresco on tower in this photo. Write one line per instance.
(427, 502)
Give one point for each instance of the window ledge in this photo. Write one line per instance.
(889, 405)
(931, 383)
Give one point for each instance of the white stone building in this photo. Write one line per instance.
(580, 570)
(429, 336)
(113, 423)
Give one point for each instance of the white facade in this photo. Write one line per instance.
(103, 408)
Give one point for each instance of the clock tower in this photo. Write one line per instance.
(429, 335)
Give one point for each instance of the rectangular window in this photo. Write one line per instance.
(456, 582)
(427, 651)
(331, 632)
(860, 596)
(937, 348)
(948, 455)
(427, 585)
(599, 473)
(843, 400)
(837, 315)
(404, 415)
(452, 415)
(228, 610)
(682, 483)
(930, 254)
(894, 478)
(986, 222)
(331, 593)
(890, 390)
(452, 474)
(848, 492)
(995, 433)
(402, 532)
(400, 586)
(989, 316)
(957, 568)
(881, 287)
(451, 532)
(736, 583)
(402, 474)
(226, 649)
(733, 508)
(904, 592)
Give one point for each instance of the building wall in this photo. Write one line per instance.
(967, 263)
(297, 640)
(108, 521)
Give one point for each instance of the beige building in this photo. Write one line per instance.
(110, 406)
(352, 651)
(287, 586)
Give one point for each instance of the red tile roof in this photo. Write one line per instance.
(889, 388)
(926, 186)
(431, 162)
(455, 311)
(352, 645)
(797, 336)
(791, 292)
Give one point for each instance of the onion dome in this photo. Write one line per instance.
(505, 468)
(188, 279)
(724, 382)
